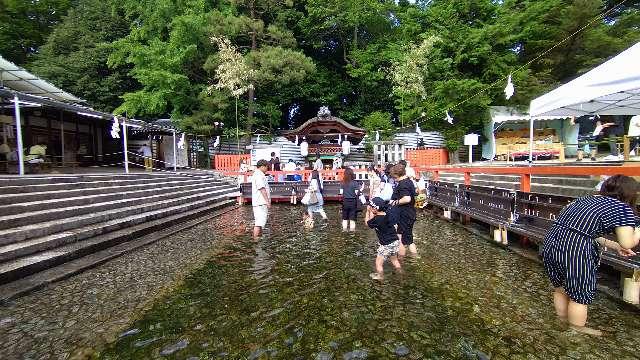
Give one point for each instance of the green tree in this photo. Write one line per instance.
(25, 25)
(166, 50)
(232, 74)
(75, 55)
(408, 75)
(261, 27)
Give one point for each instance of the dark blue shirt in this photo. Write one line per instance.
(384, 229)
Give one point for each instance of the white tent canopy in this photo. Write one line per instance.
(612, 88)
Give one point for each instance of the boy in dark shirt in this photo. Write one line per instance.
(388, 243)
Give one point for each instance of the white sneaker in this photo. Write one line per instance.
(610, 158)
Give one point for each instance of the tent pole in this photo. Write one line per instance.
(62, 137)
(530, 140)
(124, 146)
(16, 108)
(175, 156)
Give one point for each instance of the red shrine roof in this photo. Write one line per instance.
(326, 127)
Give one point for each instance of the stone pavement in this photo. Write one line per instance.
(82, 313)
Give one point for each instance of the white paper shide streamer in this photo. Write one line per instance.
(217, 142)
(449, 118)
(304, 147)
(181, 142)
(346, 146)
(377, 135)
(115, 128)
(509, 90)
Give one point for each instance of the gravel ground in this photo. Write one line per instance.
(69, 318)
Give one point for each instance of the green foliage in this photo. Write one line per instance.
(378, 121)
(25, 25)
(75, 54)
(372, 62)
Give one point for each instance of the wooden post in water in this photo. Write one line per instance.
(626, 147)
(525, 182)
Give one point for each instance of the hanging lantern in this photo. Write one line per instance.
(510, 89)
(304, 148)
(346, 146)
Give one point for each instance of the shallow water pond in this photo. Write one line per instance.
(299, 294)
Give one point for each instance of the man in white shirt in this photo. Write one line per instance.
(260, 197)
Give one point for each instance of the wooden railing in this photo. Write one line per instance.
(230, 162)
(525, 172)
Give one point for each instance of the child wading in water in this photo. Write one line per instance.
(389, 244)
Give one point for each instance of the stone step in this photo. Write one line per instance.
(58, 179)
(21, 203)
(21, 233)
(60, 209)
(114, 232)
(87, 184)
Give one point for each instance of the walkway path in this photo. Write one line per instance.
(307, 295)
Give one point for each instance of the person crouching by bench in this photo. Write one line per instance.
(388, 242)
(570, 251)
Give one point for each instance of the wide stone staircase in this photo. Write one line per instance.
(46, 221)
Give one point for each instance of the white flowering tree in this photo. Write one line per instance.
(407, 73)
(232, 73)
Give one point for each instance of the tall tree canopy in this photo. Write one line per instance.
(403, 61)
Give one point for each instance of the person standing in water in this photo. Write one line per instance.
(260, 197)
(388, 243)
(350, 190)
(403, 211)
(315, 185)
(570, 251)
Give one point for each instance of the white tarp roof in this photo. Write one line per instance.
(612, 88)
(18, 79)
(500, 114)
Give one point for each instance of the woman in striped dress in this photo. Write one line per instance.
(571, 253)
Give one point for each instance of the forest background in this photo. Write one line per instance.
(375, 63)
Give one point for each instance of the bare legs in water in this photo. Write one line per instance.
(572, 312)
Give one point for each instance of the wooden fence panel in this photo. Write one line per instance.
(230, 162)
(427, 157)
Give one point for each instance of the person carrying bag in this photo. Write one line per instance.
(313, 197)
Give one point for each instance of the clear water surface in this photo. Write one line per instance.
(299, 294)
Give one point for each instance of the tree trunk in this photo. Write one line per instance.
(454, 157)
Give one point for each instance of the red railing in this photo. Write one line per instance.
(427, 157)
(525, 172)
(230, 162)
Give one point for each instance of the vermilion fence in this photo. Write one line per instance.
(524, 172)
(230, 162)
(427, 157)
